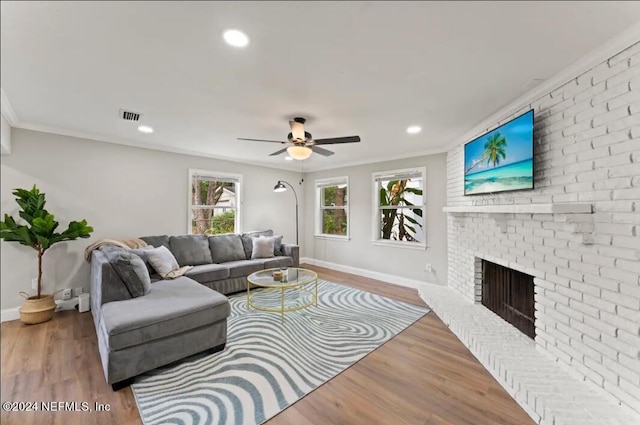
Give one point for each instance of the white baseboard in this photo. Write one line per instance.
(9, 314)
(396, 280)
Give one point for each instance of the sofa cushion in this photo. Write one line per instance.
(243, 268)
(162, 260)
(157, 241)
(247, 240)
(280, 261)
(190, 250)
(208, 272)
(171, 307)
(226, 248)
(262, 247)
(133, 272)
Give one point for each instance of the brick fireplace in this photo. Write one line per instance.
(577, 233)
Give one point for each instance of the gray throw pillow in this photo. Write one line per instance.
(133, 272)
(277, 246)
(263, 247)
(162, 260)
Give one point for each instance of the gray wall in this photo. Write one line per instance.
(123, 192)
(359, 251)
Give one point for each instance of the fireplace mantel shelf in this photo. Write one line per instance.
(560, 208)
(578, 217)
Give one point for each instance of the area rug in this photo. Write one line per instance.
(268, 364)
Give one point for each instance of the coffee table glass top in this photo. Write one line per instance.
(295, 277)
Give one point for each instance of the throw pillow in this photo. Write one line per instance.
(162, 260)
(263, 247)
(277, 246)
(133, 272)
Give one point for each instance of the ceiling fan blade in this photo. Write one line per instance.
(297, 130)
(261, 140)
(333, 141)
(323, 152)
(278, 152)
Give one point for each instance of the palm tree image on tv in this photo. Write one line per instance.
(494, 149)
(502, 159)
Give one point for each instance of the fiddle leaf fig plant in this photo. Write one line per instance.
(39, 232)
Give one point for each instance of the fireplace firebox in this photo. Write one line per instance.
(510, 294)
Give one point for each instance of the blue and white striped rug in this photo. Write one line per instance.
(268, 365)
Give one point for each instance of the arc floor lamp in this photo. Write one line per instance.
(280, 187)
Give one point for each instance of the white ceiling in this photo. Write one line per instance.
(365, 68)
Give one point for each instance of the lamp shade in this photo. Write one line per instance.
(279, 187)
(299, 152)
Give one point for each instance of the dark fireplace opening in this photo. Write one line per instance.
(509, 294)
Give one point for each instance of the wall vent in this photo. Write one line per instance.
(130, 115)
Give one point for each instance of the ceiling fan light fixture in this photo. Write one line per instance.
(288, 158)
(299, 152)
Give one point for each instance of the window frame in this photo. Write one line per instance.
(377, 219)
(319, 208)
(216, 174)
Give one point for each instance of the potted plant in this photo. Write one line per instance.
(39, 234)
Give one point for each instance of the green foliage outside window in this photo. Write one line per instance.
(334, 215)
(397, 212)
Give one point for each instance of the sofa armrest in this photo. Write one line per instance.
(292, 251)
(106, 284)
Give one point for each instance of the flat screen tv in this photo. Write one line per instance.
(501, 160)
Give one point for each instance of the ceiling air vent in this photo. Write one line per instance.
(129, 115)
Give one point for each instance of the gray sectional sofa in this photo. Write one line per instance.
(176, 318)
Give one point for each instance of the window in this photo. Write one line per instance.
(332, 207)
(399, 207)
(214, 202)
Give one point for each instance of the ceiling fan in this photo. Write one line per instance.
(301, 144)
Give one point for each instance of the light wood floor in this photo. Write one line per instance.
(422, 376)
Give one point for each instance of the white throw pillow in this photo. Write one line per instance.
(263, 247)
(162, 260)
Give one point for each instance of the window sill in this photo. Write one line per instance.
(333, 237)
(403, 245)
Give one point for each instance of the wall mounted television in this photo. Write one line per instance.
(501, 160)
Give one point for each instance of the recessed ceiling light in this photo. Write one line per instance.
(145, 129)
(414, 129)
(288, 158)
(236, 38)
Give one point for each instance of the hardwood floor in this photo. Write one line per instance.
(422, 376)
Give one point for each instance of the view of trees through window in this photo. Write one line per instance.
(333, 208)
(213, 206)
(400, 207)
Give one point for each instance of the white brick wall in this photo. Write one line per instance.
(587, 149)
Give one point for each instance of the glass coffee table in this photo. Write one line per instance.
(298, 290)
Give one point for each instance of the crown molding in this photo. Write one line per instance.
(7, 110)
(142, 145)
(377, 159)
(626, 39)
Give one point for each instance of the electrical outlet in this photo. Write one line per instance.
(427, 267)
(66, 294)
(34, 283)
